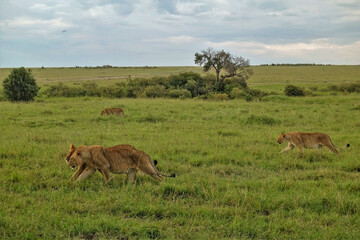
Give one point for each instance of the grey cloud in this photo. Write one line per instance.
(120, 31)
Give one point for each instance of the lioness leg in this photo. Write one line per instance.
(86, 173)
(131, 175)
(106, 174)
(149, 169)
(331, 147)
(288, 148)
(78, 172)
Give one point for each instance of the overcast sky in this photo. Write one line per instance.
(56, 33)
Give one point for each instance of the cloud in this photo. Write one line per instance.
(174, 39)
(173, 30)
(32, 27)
(40, 7)
(315, 51)
(105, 12)
(189, 7)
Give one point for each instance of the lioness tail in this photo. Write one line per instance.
(347, 145)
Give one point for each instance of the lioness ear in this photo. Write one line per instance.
(72, 147)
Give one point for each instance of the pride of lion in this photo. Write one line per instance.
(125, 158)
(122, 158)
(307, 140)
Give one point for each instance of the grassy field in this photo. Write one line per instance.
(231, 182)
(102, 76)
(263, 75)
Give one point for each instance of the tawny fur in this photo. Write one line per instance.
(113, 111)
(116, 159)
(307, 140)
(82, 168)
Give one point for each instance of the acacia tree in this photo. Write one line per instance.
(238, 67)
(20, 85)
(211, 58)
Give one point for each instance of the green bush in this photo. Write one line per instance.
(350, 87)
(91, 89)
(179, 93)
(237, 93)
(61, 90)
(113, 92)
(20, 85)
(294, 91)
(155, 91)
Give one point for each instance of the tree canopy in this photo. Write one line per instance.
(20, 85)
(235, 67)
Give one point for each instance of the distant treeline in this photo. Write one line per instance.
(295, 64)
(108, 66)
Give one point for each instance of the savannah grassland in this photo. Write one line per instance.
(231, 182)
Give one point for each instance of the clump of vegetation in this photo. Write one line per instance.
(183, 85)
(346, 87)
(20, 85)
(294, 91)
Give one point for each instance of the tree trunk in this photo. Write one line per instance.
(217, 76)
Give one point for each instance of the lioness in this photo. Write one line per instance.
(112, 159)
(115, 111)
(307, 140)
(81, 168)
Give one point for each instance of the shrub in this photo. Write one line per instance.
(179, 93)
(294, 91)
(91, 89)
(113, 92)
(20, 85)
(179, 81)
(237, 93)
(155, 91)
(60, 90)
(221, 96)
(350, 87)
(256, 92)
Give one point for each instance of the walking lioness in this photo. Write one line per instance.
(112, 159)
(307, 140)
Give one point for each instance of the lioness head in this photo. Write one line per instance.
(72, 149)
(69, 159)
(281, 138)
(75, 158)
(79, 155)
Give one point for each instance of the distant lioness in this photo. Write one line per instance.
(307, 140)
(112, 159)
(114, 111)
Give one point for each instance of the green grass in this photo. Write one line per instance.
(231, 182)
(263, 75)
(273, 78)
(103, 76)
